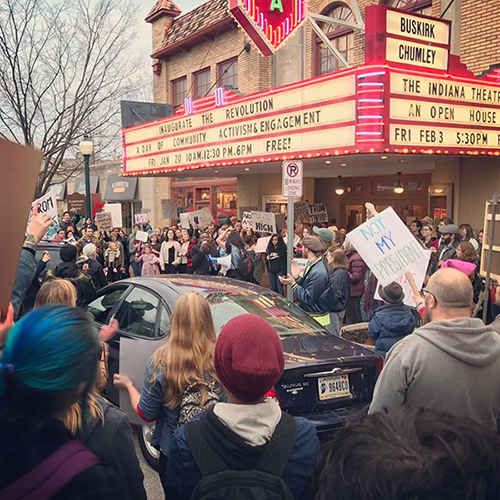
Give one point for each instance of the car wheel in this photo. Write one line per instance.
(150, 453)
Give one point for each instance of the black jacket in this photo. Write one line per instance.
(96, 272)
(24, 447)
(32, 291)
(200, 260)
(449, 253)
(340, 288)
(277, 259)
(85, 289)
(114, 444)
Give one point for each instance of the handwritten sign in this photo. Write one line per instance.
(246, 219)
(184, 220)
(264, 222)
(200, 218)
(104, 221)
(142, 236)
(301, 211)
(47, 204)
(141, 218)
(262, 244)
(318, 213)
(390, 250)
(116, 213)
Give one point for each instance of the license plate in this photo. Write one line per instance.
(333, 387)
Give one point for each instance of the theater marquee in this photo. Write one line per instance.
(412, 97)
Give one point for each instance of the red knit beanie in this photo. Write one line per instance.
(248, 357)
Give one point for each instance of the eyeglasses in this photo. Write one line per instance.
(424, 291)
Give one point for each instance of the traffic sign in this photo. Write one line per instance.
(293, 171)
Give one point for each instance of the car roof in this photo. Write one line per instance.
(204, 285)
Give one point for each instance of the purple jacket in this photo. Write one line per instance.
(357, 269)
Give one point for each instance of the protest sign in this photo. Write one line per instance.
(318, 213)
(246, 219)
(280, 222)
(261, 245)
(184, 220)
(301, 211)
(264, 222)
(47, 204)
(116, 213)
(200, 218)
(246, 209)
(142, 236)
(169, 209)
(19, 172)
(104, 221)
(301, 264)
(141, 218)
(390, 251)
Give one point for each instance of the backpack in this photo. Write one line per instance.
(191, 400)
(246, 265)
(51, 475)
(263, 482)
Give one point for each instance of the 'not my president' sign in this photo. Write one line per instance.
(390, 250)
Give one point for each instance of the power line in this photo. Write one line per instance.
(446, 10)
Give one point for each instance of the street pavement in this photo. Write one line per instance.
(151, 478)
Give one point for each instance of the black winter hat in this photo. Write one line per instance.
(391, 293)
(68, 253)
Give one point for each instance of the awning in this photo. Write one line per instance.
(80, 184)
(120, 188)
(60, 190)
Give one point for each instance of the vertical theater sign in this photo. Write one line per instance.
(411, 96)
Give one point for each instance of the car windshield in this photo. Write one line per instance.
(286, 318)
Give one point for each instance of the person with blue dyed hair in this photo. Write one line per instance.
(49, 362)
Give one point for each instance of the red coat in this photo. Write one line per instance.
(357, 269)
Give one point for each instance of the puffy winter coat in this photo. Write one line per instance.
(357, 269)
(390, 324)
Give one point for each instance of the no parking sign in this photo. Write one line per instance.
(293, 171)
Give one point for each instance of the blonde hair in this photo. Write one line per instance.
(57, 291)
(60, 291)
(188, 355)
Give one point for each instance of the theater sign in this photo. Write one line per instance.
(411, 96)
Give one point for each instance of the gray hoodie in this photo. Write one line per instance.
(450, 366)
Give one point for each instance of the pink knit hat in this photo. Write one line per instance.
(466, 267)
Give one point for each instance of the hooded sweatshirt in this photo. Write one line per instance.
(448, 366)
(239, 434)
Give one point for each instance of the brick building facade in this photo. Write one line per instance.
(204, 39)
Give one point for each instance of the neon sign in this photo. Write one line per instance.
(269, 23)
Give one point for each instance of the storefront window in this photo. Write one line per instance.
(340, 36)
(288, 62)
(226, 199)
(228, 74)
(417, 6)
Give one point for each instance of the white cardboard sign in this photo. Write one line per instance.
(47, 204)
(200, 218)
(390, 250)
(116, 213)
(264, 222)
(142, 236)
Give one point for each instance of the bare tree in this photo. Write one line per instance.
(63, 70)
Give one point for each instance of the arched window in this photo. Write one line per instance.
(416, 6)
(341, 37)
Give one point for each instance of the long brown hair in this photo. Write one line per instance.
(188, 355)
(339, 258)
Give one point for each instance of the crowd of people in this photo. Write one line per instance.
(431, 431)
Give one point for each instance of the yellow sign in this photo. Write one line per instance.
(417, 54)
(418, 28)
(273, 123)
(445, 137)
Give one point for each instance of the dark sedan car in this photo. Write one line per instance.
(326, 379)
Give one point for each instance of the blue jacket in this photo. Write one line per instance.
(340, 287)
(183, 474)
(390, 324)
(313, 290)
(153, 408)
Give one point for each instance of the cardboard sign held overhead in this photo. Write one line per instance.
(169, 209)
(264, 222)
(19, 167)
(318, 213)
(390, 251)
(116, 213)
(184, 220)
(142, 236)
(300, 211)
(246, 220)
(104, 221)
(200, 218)
(47, 204)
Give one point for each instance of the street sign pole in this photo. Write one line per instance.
(292, 187)
(290, 232)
